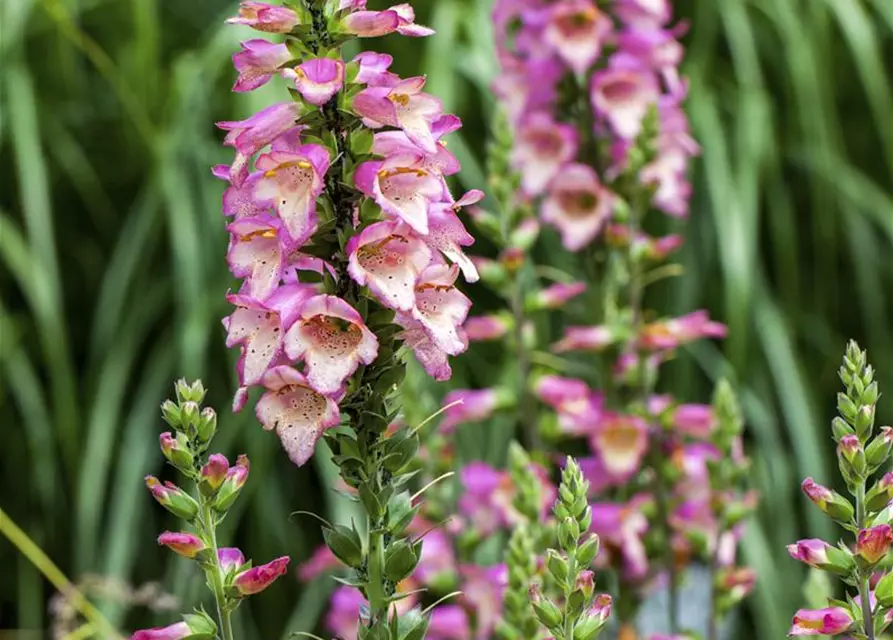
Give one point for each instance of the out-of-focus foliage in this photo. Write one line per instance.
(112, 276)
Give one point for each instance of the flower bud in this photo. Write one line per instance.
(213, 473)
(524, 235)
(840, 428)
(171, 413)
(235, 479)
(872, 544)
(555, 296)
(186, 392)
(400, 560)
(345, 544)
(850, 449)
(557, 566)
(230, 559)
(184, 544)
(865, 420)
(880, 495)
(602, 606)
(201, 626)
(585, 583)
(883, 591)
(176, 631)
(207, 425)
(176, 450)
(568, 534)
(830, 502)
(172, 498)
(189, 414)
(819, 554)
(259, 578)
(587, 551)
(547, 613)
(878, 450)
(512, 259)
(828, 621)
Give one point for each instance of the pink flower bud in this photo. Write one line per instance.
(512, 258)
(586, 583)
(230, 559)
(593, 338)
(558, 294)
(184, 544)
(215, 470)
(873, 543)
(817, 493)
(236, 477)
(820, 622)
(849, 446)
(172, 498)
(259, 578)
(176, 450)
(171, 632)
(813, 551)
(602, 606)
(481, 328)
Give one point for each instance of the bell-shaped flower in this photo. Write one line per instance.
(469, 405)
(257, 62)
(407, 26)
(643, 14)
(556, 296)
(401, 188)
(404, 106)
(873, 543)
(579, 408)
(433, 359)
(258, 327)
(593, 338)
(293, 181)
(372, 24)
(830, 621)
(622, 528)
(483, 592)
(242, 201)
(813, 552)
(297, 412)
(623, 93)
(448, 235)
(577, 205)
(332, 340)
(175, 631)
(256, 254)
(388, 257)
(257, 579)
(621, 441)
(448, 622)
(669, 334)
(440, 163)
(318, 80)
(441, 308)
(542, 148)
(270, 18)
(492, 327)
(184, 544)
(576, 31)
(373, 69)
(251, 135)
(230, 559)
(694, 420)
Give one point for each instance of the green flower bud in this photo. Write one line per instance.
(840, 428)
(880, 495)
(557, 566)
(864, 421)
(201, 626)
(878, 450)
(401, 559)
(884, 591)
(171, 414)
(207, 425)
(345, 543)
(546, 611)
(173, 498)
(568, 534)
(587, 552)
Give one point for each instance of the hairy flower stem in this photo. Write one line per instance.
(526, 405)
(209, 532)
(864, 588)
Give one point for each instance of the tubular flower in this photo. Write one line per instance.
(830, 621)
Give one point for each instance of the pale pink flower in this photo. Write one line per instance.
(257, 62)
(577, 205)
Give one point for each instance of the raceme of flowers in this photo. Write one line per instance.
(343, 230)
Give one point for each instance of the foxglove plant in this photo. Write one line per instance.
(347, 239)
(229, 576)
(862, 452)
(592, 141)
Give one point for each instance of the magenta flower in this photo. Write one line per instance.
(441, 308)
(319, 79)
(819, 494)
(558, 294)
(669, 334)
(577, 205)
(215, 469)
(332, 340)
(256, 253)
(259, 578)
(346, 605)
(241, 201)
(621, 442)
(297, 412)
(695, 420)
(873, 544)
(542, 148)
(576, 31)
(480, 328)
(257, 62)
(251, 135)
(184, 544)
(830, 621)
(372, 24)
(622, 528)
(578, 407)
(175, 631)
(258, 328)
(322, 561)
(433, 359)
(643, 14)
(269, 18)
(813, 551)
(482, 592)
(475, 405)
(404, 106)
(373, 69)
(487, 496)
(448, 235)
(449, 622)
(230, 559)
(293, 181)
(438, 558)
(623, 93)
(585, 339)
(388, 258)
(401, 188)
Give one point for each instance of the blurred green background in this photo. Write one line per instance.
(112, 278)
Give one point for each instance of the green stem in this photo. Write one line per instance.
(569, 620)
(374, 587)
(526, 408)
(864, 588)
(209, 531)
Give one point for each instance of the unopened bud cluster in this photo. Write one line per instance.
(217, 485)
(862, 451)
(580, 614)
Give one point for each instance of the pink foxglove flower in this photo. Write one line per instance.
(474, 405)
(404, 106)
(441, 308)
(449, 622)
(319, 79)
(672, 333)
(558, 294)
(483, 589)
(251, 135)
(184, 544)
(257, 62)
(694, 420)
(576, 31)
(330, 337)
(813, 552)
(297, 412)
(447, 234)
(259, 578)
(623, 93)
(293, 181)
(874, 543)
(481, 328)
(621, 442)
(543, 147)
(579, 408)
(429, 354)
(578, 206)
(265, 17)
(830, 621)
(175, 631)
(230, 559)
(401, 188)
(643, 14)
(321, 562)
(585, 339)
(388, 257)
